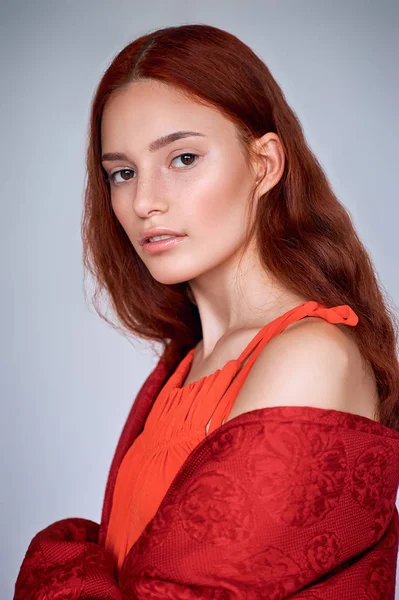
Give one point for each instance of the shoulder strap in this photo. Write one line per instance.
(336, 314)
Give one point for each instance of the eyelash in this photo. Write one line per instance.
(111, 177)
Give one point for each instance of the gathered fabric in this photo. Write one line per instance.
(277, 503)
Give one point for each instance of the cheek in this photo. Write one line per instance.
(122, 209)
(218, 203)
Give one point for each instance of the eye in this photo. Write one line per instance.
(185, 155)
(113, 175)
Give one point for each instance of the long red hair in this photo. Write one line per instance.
(304, 235)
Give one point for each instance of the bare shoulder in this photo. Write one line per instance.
(311, 363)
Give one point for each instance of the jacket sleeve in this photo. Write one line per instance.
(64, 561)
(279, 503)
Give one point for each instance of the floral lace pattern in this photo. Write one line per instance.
(288, 461)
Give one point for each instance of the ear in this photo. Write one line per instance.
(268, 161)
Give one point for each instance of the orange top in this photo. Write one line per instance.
(176, 425)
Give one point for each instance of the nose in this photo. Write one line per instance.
(148, 196)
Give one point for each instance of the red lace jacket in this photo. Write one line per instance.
(285, 502)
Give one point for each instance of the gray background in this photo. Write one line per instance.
(67, 378)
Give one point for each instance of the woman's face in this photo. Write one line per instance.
(204, 196)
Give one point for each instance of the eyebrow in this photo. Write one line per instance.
(155, 145)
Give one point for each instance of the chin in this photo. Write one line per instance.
(171, 279)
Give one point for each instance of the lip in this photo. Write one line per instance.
(162, 245)
(147, 233)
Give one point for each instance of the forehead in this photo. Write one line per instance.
(150, 108)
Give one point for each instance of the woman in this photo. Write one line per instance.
(259, 457)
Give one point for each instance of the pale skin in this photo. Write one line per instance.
(311, 363)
